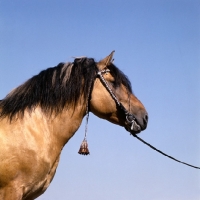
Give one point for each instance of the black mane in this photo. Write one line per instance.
(54, 88)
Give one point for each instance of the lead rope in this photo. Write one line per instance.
(152, 147)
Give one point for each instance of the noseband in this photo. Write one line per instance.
(130, 118)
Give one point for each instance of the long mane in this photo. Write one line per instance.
(57, 87)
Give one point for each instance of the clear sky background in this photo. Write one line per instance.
(157, 45)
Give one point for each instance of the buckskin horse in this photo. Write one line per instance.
(39, 117)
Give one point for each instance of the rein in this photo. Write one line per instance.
(130, 119)
(159, 151)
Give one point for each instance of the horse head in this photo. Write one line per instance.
(112, 98)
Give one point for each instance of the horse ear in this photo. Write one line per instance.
(105, 62)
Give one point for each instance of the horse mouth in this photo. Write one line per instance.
(133, 128)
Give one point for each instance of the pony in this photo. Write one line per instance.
(39, 117)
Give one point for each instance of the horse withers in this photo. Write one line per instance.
(39, 117)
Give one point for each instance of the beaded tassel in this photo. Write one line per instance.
(84, 148)
(84, 145)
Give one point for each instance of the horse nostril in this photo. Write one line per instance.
(146, 119)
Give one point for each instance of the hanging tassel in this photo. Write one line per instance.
(84, 145)
(84, 148)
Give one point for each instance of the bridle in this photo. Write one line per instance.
(130, 118)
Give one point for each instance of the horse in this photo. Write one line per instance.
(39, 117)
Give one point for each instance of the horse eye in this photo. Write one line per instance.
(113, 83)
(111, 80)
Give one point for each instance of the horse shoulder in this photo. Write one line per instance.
(28, 158)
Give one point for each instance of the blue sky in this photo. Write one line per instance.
(157, 45)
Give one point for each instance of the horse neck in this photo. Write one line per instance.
(65, 124)
(54, 130)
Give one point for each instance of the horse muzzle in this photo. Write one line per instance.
(135, 126)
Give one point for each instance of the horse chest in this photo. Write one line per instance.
(39, 186)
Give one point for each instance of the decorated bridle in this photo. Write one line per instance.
(130, 118)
